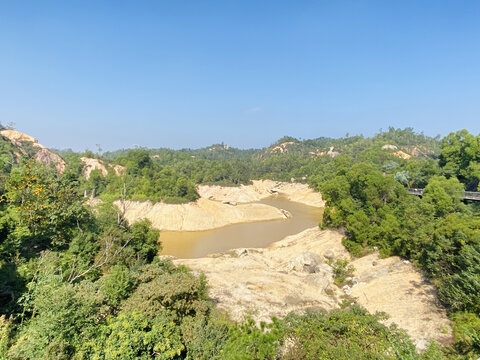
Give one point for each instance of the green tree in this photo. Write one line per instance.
(460, 157)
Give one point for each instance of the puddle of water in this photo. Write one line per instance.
(194, 244)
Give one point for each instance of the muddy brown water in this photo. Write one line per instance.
(194, 244)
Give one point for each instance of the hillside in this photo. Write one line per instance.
(76, 280)
(25, 146)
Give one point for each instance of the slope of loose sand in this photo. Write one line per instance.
(261, 189)
(203, 214)
(398, 289)
(210, 211)
(262, 283)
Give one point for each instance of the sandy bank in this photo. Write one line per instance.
(261, 189)
(266, 282)
(203, 214)
(209, 212)
(258, 281)
(399, 289)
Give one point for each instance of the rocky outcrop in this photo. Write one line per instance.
(92, 164)
(389, 147)
(402, 155)
(330, 152)
(40, 153)
(263, 283)
(396, 287)
(281, 148)
(292, 275)
(49, 158)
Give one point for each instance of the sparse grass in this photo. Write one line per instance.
(341, 270)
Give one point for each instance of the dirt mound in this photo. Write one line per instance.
(261, 189)
(292, 275)
(40, 152)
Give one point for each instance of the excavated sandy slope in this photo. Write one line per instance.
(209, 212)
(96, 164)
(271, 282)
(398, 289)
(261, 282)
(261, 189)
(203, 214)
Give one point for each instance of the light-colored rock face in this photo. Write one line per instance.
(17, 137)
(330, 153)
(389, 147)
(402, 155)
(48, 158)
(281, 148)
(418, 150)
(262, 283)
(93, 164)
(221, 206)
(397, 288)
(201, 215)
(119, 169)
(262, 189)
(96, 164)
(42, 155)
(293, 275)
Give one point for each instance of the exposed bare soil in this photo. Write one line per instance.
(221, 206)
(203, 214)
(274, 281)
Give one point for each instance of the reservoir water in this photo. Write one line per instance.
(193, 244)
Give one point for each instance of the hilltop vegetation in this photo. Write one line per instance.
(83, 284)
(171, 176)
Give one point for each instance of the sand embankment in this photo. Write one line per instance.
(292, 275)
(397, 288)
(262, 189)
(211, 211)
(201, 215)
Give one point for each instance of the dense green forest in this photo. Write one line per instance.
(78, 283)
(171, 176)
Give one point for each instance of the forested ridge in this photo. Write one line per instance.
(82, 283)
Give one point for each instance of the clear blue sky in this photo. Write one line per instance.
(191, 73)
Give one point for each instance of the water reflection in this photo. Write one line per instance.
(193, 244)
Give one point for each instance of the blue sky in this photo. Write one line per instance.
(191, 73)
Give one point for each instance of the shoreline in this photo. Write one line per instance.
(220, 206)
(272, 281)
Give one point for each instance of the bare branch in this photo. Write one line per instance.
(105, 258)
